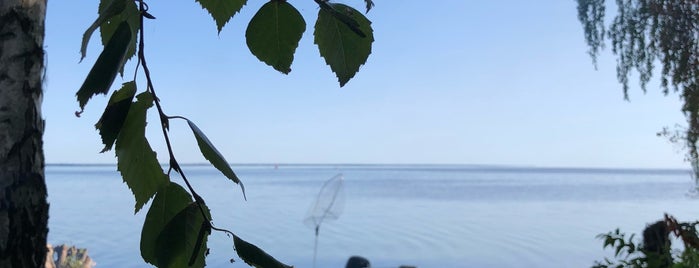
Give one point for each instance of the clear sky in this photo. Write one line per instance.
(456, 82)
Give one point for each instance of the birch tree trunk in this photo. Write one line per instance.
(23, 205)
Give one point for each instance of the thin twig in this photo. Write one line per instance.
(164, 121)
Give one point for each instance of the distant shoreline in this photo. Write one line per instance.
(474, 167)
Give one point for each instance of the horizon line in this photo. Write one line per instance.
(500, 166)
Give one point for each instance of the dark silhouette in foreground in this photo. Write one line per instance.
(357, 262)
(656, 245)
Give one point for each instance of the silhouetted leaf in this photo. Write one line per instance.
(204, 231)
(213, 155)
(222, 10)
(178, 239)
(102, 74)
(274, 33)
(111, 9)
(136, 161)
(131, 15)
(114, 115)
(254, 256)
(608, 241)
(369, 5)
(169, 201)
(148, 15)
(344, 15)
(343, 49)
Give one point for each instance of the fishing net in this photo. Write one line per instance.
(329, 203)
(328, 206)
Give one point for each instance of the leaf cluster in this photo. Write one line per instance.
(343, 36)
(647, 32)
(629, 253)
(178, 222)
(626, 251)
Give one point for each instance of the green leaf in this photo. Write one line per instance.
(131, 15)
(222, 10)
(136, 161)
(169, 201)
(180, 237)
(341, 47)
(204, 232)
(274, 33)
(102, 74)
(114, 115)
(254, 256)
(111, 9)
(214, 156)
(344, 15)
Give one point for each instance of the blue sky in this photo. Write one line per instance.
(458, 82)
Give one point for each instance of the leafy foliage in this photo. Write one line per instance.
(102, 74)
(337, 34)
(213, 155)
(114, 115)
(167, 203)
(645, 32)
(274, 33)
(177, 225)
(222, 10)
(654, 251)
(179, 243)
(137, 161)
(129, 14)
(626, 251)
(111, 8)
(254, 256)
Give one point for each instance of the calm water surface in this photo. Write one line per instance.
(427, 216)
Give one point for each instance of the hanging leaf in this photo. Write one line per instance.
(111, 9)
(254, 256)
(136, 161)
(343, 15)
(222, 10)
(114, 115)
(102, 74)
(131, 15)
(214, 156)
(204, 232)
(273, 34)
(341, 47)
(169, 201)
(369, 5)
(178, 240)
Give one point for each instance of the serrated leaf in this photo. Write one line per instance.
(344, 15)
(131, 15)
(136, 161)
(273, 34)
(111, 9)
(114, 115)
(222, 10)
(341, 47)
(254, 256)
(169, 201)
(369, 5)
(214, 156)
(102, 74)
(178, 240)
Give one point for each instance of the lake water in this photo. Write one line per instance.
(421, 215)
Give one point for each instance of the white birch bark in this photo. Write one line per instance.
(23, 205)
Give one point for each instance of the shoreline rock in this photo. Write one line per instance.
(64, 256)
